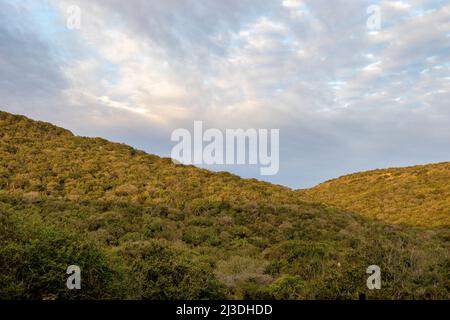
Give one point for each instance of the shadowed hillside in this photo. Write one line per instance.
(418, 195)
(141, 227)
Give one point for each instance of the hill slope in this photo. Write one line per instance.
(142, 227)
(418, 195)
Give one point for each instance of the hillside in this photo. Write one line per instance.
(141, 227)
(418, 195)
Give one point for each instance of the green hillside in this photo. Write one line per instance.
(141, 227)
(418, 195)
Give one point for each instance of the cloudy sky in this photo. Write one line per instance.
(347, 96)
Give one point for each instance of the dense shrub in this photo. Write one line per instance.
(141, 227)
(34, 259)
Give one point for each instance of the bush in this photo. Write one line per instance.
(165, 273)
(33, 264)
(287, 287)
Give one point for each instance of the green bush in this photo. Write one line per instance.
(34, 261)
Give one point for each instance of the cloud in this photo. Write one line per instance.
(344, 98)
(29, 66)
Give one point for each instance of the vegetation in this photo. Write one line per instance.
(141, 227)
(418, 195)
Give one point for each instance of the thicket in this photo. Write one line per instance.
(141, 227)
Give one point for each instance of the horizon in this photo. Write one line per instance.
(217, 170)
(351, 87)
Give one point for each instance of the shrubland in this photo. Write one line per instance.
(142, 227)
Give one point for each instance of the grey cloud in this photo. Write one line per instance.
(183, 28)
(30, 78)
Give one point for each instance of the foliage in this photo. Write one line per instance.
(418, 195)
(141, 227)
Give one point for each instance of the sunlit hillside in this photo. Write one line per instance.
(418, 195)
(142, 227)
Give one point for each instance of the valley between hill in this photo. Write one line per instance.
(142, 227)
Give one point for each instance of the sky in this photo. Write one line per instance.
(349, 88)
